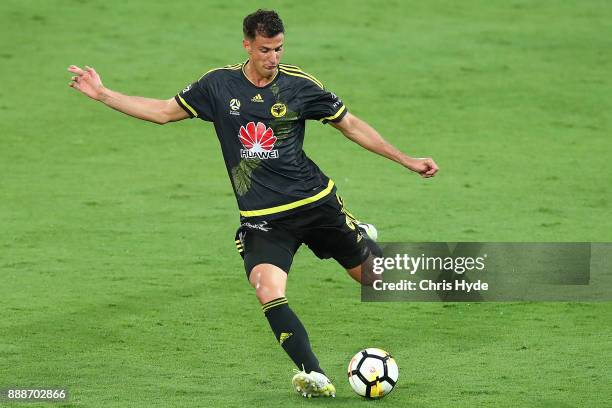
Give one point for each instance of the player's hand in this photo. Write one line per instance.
(426, 167)
(86, 81)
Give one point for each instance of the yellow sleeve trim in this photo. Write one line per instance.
(299, 70)
(290, 206)
(193, 112)
(230, 67)
(342, 109)
(302, 75)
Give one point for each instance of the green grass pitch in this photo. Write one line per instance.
(119, 275)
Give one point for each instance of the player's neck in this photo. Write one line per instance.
(254, 77)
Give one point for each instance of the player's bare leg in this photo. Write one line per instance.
(270, 283)
(363, 273)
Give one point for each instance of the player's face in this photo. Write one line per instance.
(265, 53)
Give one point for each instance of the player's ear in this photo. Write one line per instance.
(247, 45)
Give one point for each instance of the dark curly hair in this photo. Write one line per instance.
(266, 23)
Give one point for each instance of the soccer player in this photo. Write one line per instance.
(259, 109)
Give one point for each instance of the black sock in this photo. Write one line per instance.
(291, 334)
(372, 246)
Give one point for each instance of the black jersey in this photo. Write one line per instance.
(261, 131)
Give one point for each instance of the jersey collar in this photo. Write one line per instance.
(246, 78)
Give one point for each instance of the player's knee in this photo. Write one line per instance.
(269, 282)
(266, 293)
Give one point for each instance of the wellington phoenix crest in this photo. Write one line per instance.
(258, 141)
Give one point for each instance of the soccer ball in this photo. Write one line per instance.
(373, 373)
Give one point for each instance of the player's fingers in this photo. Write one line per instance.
(432, 168)
(76, 70)
(91, 70)
(429, 172)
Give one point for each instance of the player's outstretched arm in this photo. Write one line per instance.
(88, 82)
(367, 137)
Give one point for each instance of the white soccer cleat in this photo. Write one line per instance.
(369, 230)
(313, 384)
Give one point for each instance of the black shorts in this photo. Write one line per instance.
(328, 230)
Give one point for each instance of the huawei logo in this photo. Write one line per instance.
(258, 141)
